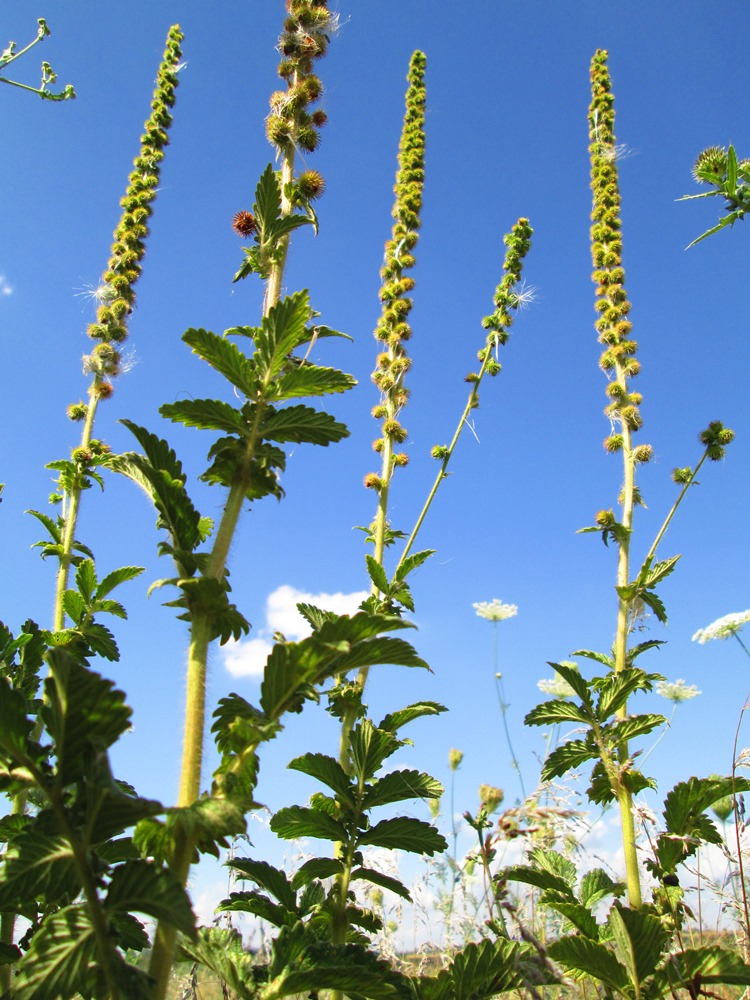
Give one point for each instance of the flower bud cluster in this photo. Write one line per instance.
(291, 123)
(618, 359)
(507, 299)
(715, 438)
(115, 293)
(393, 328)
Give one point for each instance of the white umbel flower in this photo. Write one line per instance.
(495, 610)
(723, 628)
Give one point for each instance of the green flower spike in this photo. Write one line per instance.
(393, 329)
(115, 297)
(619, 363)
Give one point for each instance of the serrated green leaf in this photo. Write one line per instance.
(730, 187)
(548, 881)
(224, 357)
(131, 934)
(572, 754)
(583, 956)
(222, 952)
(111, 608)
(384, 881)
(579, 916)
(316, 868)
(310, 380)
(325, 769)
(554, 863)
(52, 526)
(84, 714)
(554, 712)
(637, 725)
(160, 475)
(73, 605)
(639, 940)
(596, 885)
(377, 574)
(369, 748)
(484, 970)
(61, 958)
(405, 834)
(650, 574)
(590, 654)
(400, 785)
(206, 414)
(412, 562)
(615, 689)
(302, 425)
(282, 330)
(267, 207)
(573, 677)
(395, 720)
(297, 821)
(271, 879)
(653, 601)
(260, 906)
(302, 963)
(711, 965)
(35, 865)
(86, 579)
(316, 616)
(100, 641)
(143, 887)
(688, 800)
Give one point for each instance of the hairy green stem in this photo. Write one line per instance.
(71, 519)
(686, 486)
(471, 404)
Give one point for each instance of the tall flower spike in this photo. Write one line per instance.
(619, 363)
(393, 329)
(115, 293)
(618, 358)
(116, 296)
(291, 124)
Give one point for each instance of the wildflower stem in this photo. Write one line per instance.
(471, 404)
(738, 839)
(71, 518)
(618, 360)
(287, 124)
(662, 531)
(504, 711)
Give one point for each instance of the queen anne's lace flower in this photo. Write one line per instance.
(677, 691)
(495, 611)
(723, 628)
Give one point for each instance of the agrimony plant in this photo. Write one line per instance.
(602, 707)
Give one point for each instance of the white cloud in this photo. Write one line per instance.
(247, 658)
(5, 288)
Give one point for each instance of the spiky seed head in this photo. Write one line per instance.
(244, 224)
(311, 184)
(77, 411)
(373, 481)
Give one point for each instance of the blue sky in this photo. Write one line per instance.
(507, 103)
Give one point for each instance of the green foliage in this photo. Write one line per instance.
(602, 701)
(272, 227)
(730, 180)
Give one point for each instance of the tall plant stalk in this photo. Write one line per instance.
(393, 331)
(115, 296)
(620, 364)
(290, 126)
